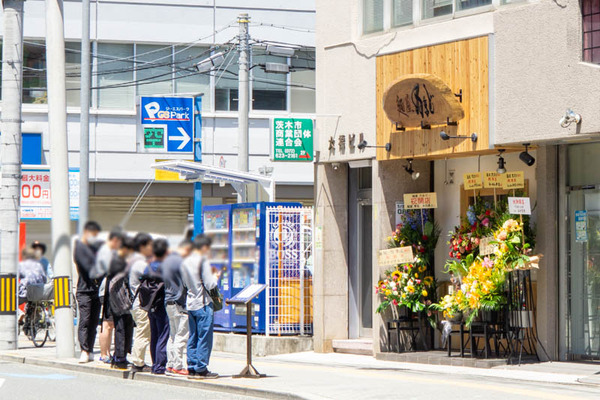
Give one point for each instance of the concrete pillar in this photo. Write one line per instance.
(390, 183)
(547, 244)
(330, 296)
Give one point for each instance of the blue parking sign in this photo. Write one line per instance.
(168, 123)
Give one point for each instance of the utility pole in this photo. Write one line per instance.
(84, 118)
(10, 159)
(243, 97)
(59, 170)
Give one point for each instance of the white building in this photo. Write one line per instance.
(155, 43)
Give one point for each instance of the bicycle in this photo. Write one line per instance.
(38, 322)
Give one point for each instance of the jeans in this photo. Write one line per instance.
(141, 340)
(89, 316)
(123, 336)
(159, 336)
(178, 336)
(201, 338)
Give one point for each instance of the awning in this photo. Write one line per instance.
(196, 172)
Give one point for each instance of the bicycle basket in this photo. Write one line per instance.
(41, 292)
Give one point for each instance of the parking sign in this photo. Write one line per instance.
(167, 124)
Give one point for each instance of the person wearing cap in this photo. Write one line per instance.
(40, 251)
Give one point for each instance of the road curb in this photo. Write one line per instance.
(145, 377)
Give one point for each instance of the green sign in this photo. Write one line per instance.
(154, 138)
(292, 139)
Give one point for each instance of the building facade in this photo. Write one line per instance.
(150, 48)
(516, 67)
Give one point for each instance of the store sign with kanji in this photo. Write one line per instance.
(519, 205)
(36, 194)
(395, 256)
(473, 181)
(415, 201)
(292, 139)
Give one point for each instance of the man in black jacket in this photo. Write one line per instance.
(88, 300)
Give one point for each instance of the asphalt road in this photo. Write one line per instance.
(30, 382)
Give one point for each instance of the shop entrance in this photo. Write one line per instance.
(360, 228)
(584, 273)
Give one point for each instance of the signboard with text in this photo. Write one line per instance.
(167, 124)
(395, 256)
(486, 247)
(292, 139)
(581, 235)
(415, 201)
(472, 181)
(36, 197)
(492, 180)
(513, 180)
(519, 205)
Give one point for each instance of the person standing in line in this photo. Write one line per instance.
(40, 252)
(105, 255)
(122, 318)
(175, 296)
(87, 290)
(159, 321)
(199, 278)
(137, 266)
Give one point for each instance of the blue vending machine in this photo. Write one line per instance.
(217, 224)
(248, 259)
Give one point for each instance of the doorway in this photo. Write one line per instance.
(360, 228)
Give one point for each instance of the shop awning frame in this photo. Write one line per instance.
(196, 172)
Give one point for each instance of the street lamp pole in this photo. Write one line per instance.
(243, 97)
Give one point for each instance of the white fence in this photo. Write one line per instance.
(289, 271)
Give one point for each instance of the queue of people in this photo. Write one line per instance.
(147, 297)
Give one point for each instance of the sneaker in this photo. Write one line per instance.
(144, 368)
(121, 366)
(207, 375)
(179, 372)
(106, 360)
(85, 357)
(193, 375)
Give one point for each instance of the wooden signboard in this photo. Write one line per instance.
(395, 256)
(421, 99)
(513, 180)
(472, 181)
(415, 201)
(492, 180)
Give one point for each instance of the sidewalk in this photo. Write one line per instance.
(319, 376)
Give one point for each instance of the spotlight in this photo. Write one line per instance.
(526, 157)
(569, 117)
(501, 163)
(445, 136)
(363, 145)
(409, 169)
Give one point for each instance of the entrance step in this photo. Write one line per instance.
(354, 346)
(261, 345)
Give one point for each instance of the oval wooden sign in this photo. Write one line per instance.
(421, 99)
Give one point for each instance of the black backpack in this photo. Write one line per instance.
(119, 296)
(151, 291)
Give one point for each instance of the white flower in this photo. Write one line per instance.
(395, 292)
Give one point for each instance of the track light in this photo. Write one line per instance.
(445, 136)
(501, 163)
(363, 145)
(409, 169)
(526, 157)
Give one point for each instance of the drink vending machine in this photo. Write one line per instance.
(239, 249)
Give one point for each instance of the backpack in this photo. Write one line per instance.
(151, 291)
(119, 296)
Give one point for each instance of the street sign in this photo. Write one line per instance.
(36, 194)
(167, 124)
(292, 139)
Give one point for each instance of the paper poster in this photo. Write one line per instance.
(399, 211)
(492, 179)
(513, 180)
(395, 256)
(413, 201)
(472, 181)
(581, 235)
(519, 205)
(486, 247)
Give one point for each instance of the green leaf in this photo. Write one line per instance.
(428, 228)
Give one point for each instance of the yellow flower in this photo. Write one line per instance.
(428, 280)
(388, 292)
(416, 275)
(424, 293)
(396, 275)
(403, 295)
(410, 289)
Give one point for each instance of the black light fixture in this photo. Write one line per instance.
(445, 136)
(363, 145)
(501, 163)
(409, 169)
(526, 157)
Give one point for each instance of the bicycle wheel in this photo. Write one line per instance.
(39, 326)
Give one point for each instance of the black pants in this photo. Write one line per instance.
(123, 336)
(89, 316)
(159, 337)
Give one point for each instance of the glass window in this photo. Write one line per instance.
(226, 83)
(34, 73)
(436, 8)
(466, 4)
(402, 13)
(302, 96)
(590, 10)
(73, 73)
(187, 79)
(269, 90)
(372, 16)
(154, 71)
(115, 76)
